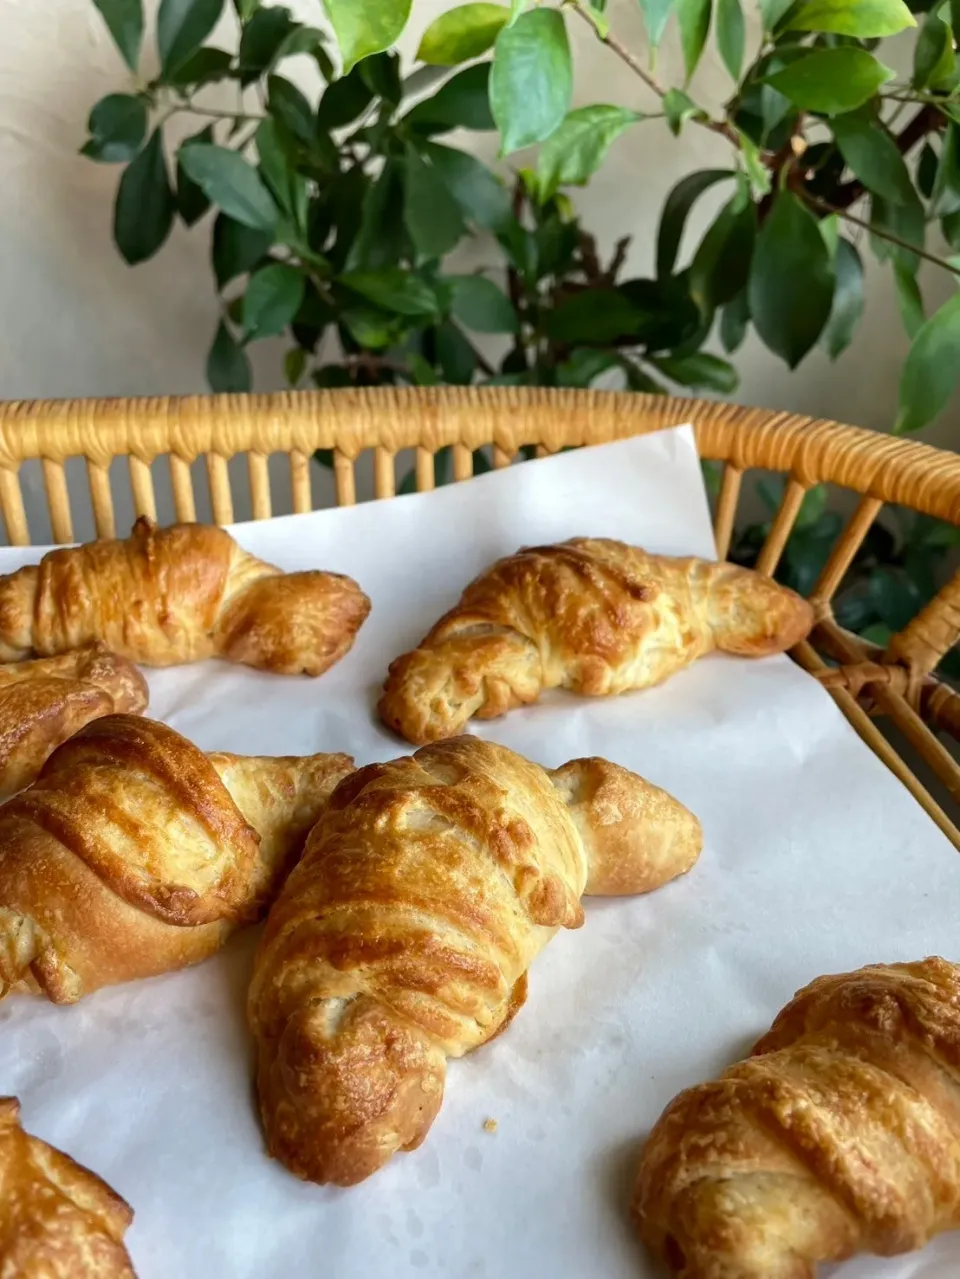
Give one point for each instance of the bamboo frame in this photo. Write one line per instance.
(809, 451)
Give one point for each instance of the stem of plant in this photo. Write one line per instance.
(825, 207)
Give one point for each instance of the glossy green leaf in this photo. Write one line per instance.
(847, 305)
(655, 16)
(301, 40)
(482, 197)
(295, 365)
(946, 187)
(124, 19)
(791, 280)
(932, 368)
(757, 173)
(950, 226)
(394, 289)
(583, 366)
(676, 211)
(909, 300)
(382, 76)
(734, 319)
(262, 38)
(272, 299)
(873, 156)
(371, 328)
(182, 26)
(118, 126)
(831, 81)
(933, 56)
(380, 240)
(229, 182)
(204, 66)
(455, 355)
(577, 149)
(532, 79)
(431, 214)
(701, 370)
(460, 34)
(865, 19)
(678, 107)
(905, 221)
(927, 170)
(731, 35)
(693, 17)
(228, 369)
(463, 102)
(290, 107)
(276, 153)
(591, 318)
(363, 27)
(145, 206)
(343, 101)
(246, 8)
(721, 265)
(479, 305)
(192, 204)
(772, 12)
(236, 248)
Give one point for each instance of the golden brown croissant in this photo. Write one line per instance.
(841, 1134)
(134, 854)
(45, 701)
(404, 935)
(172, 595)
(592, 615)
(57, 1220)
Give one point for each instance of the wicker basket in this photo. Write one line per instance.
(897, 683)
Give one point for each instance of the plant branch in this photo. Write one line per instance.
(927, 120)
(191, 109)
(635, 65)
(824, 206)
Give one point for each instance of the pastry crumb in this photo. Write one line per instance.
(489, 1125)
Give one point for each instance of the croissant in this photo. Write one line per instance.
(134, 854)
(592, 615)
(404, 935)
(57, 1220)
(179, 594)
(841, 1134)
(44, 702)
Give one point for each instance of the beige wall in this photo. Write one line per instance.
(77, 322)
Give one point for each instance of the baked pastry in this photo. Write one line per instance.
(591, 615)
(57, 1220)
(134, 853)
(404, 935)
(841, 1134)
(172, 595)
(45, 701)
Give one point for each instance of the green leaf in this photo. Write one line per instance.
(290, 107)
(230, 183)
(370, 328)
(731, 35)
(463, 102)
(271, 301)
(343, 101)
(679, 107)
(757, 172)
(584, 366)
(946, 187)
(906, 221)
(894, 597)
(773, 11)
(431, 214)
(228, 368)
(831, 81)
(118, 126)
(655, 15)
(363, 27)
(701, 370)
(182, 26)
(927, 170)
(592, 317)
(192, 204)
(124, 19)
(236, 248)
(246, 8)
(721, 265)
(380, 239)
(262, 39)
(295, 364)
(909, 300)
(734, 319)
(482, 197)
(872, 154)
(301, 40)
(531, 80)
(145, 205)
(950, 226)
(847, 300)
(382, 76)
(577, 148)
(455, 355)
(204, 66)
(791, 280)
(933, 56)
(932, 368)
(694, 19)
(462, 33)
(276, 153)
(865, 19)
(480, 305)
(394, 289)
(676, 210)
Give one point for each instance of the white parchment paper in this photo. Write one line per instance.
(816, 860)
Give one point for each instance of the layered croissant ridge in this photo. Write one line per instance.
(134, 853)
(591, 615)
(404, 935)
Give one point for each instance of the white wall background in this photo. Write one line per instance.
(76, 321)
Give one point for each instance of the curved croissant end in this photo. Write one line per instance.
(751, 615)
(841, 1134)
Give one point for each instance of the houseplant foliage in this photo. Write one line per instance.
(331, 216)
